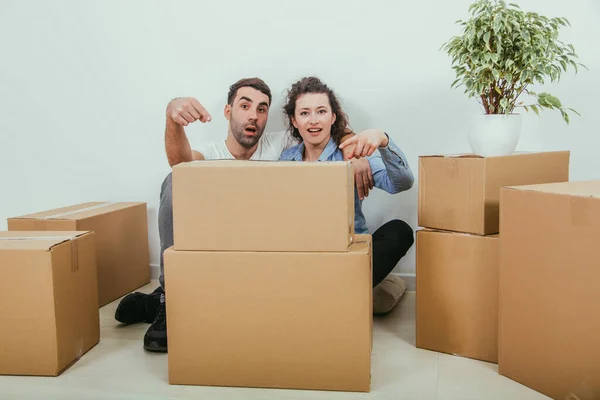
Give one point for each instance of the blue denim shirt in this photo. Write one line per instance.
(389, 167)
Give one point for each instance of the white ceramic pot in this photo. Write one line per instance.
(495, 134)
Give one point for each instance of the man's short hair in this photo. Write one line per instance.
(255, 83)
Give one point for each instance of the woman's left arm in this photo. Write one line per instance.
(390, 168)
(391, 171)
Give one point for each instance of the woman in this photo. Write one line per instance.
(316, 119)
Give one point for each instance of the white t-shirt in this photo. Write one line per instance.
(270, 146)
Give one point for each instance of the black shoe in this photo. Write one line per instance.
(156, 336)
(138, 307)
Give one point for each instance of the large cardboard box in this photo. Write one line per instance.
(457, 294)
(49, 309)
(234, 205)
(121, 240)
(549, 326)
(461, 193)
(297, 320)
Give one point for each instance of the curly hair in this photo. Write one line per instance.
(314, 85)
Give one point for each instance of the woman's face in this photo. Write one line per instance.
(313, 118)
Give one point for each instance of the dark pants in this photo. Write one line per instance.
(390, 242)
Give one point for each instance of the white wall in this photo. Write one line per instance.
(84, 85)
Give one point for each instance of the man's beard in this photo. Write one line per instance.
(238, 130)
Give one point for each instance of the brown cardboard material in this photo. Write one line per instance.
(461, 193)
(234, 205)
(296, 320)
(49, 313)
(457, 294)
(549, 316)
(121, 240)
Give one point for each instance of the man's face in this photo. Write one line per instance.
(248, 116)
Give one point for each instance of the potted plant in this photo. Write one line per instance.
(500, 54)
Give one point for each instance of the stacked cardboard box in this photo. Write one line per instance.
(121, 236)
(267, 285)
(49, 310)
(549, 326)
(458, 253)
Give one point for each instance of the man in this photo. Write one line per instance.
(247, 111)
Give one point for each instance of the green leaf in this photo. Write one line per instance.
(534, 108)
(496, 74)
(553, 101)
(565, 116)
(574, 64)
(564, 65)
(486, 36)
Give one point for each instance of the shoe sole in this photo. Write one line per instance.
(155, 349)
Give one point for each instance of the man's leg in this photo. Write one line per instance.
(142, 307)
(391, 242)
(165, 223)
(156, 335)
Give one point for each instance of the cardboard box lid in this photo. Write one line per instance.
(455, 233)
(361, 245)
(471, 155)
(461, 155)
(323, 166)
(255, 164)
(36, 240)
(80, 211)
(581, 188)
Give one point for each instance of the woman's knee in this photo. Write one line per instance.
(406, 235)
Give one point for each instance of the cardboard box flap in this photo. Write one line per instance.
(455, 233)
(361, 244)
(471, 155)
(580, 188)
(79, 211)
(36, 240)
(465, 155)
(324, 167)
(256, 164)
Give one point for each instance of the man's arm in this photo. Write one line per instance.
(182, 112)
